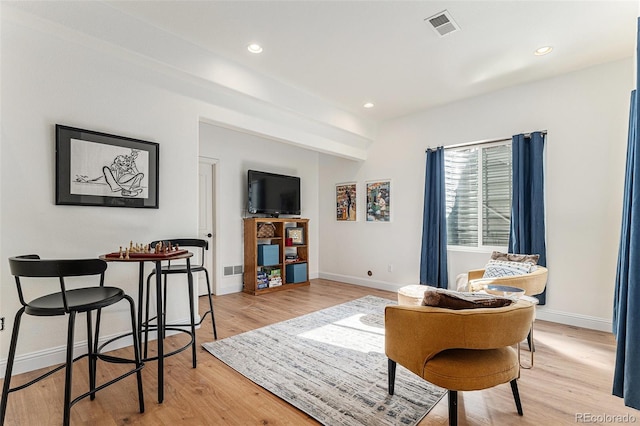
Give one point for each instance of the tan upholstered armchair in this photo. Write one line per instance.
(459, 350)
(532, 283)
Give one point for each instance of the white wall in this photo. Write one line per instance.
(236, 153)
(44, 82)
(52, 75)
(586, 115)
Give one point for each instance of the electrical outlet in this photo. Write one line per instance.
(390, 268)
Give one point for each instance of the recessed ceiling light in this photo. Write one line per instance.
(368, 105)
(254, 48)
(543, 50)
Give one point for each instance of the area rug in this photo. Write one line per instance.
(331, 365)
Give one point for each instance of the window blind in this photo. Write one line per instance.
(478, 195)
(496, 195)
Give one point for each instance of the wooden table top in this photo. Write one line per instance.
(146, 257)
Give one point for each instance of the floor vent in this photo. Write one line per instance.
(442, 23)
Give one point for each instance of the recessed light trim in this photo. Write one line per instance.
(368, 105)
(254, 48)
(544, 50)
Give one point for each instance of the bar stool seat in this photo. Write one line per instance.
(79, 300)
(70, 302)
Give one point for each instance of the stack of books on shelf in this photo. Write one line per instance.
(263, 279)
(289, 258)
(274, 277)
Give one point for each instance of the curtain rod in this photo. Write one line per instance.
(484, 142)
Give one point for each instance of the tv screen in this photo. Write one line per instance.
(273, 194)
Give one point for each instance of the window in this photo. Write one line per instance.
(478, 195)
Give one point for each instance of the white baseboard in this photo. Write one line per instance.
(228, 288)
(57, 355)
(365, 282)
(237, 287)
(542, 313)
(576, 320)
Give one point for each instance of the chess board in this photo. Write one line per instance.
(169, 255)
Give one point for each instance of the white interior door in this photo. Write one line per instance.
(206, 219)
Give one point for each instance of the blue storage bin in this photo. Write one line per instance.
(296, 273)
(268, 254)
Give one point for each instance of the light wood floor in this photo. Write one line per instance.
(572, 376)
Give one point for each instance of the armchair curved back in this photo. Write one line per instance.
(532, 283)
(415, 334)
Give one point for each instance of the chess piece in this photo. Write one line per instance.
(121, 254)
(126, 256)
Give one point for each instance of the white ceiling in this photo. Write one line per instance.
(350, 52)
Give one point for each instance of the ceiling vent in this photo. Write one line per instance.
(442, 23)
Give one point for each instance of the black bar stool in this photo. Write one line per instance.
(70, 302)
(184, 243)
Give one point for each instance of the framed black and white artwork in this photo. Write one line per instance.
(99, 169)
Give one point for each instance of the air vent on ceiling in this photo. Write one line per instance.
(442, 23)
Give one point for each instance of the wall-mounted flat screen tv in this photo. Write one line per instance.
(273, 194)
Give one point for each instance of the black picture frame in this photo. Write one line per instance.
(100, 169)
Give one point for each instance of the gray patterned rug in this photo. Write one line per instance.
(331, 365)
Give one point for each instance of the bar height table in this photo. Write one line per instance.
(157, 260)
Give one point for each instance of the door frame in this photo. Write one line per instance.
(213, 249)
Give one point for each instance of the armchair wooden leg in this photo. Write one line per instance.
(392, 375)
(516, 395)
(532, 349)
(453, 408)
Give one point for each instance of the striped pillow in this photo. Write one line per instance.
(501, 268)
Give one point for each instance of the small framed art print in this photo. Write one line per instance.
(379, 201)
(346, 206)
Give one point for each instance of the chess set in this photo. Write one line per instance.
(144, 251)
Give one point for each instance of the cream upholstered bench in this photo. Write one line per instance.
(412, 295)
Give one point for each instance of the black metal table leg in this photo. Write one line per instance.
(160, 320)
(192, 313)
(139, 307)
